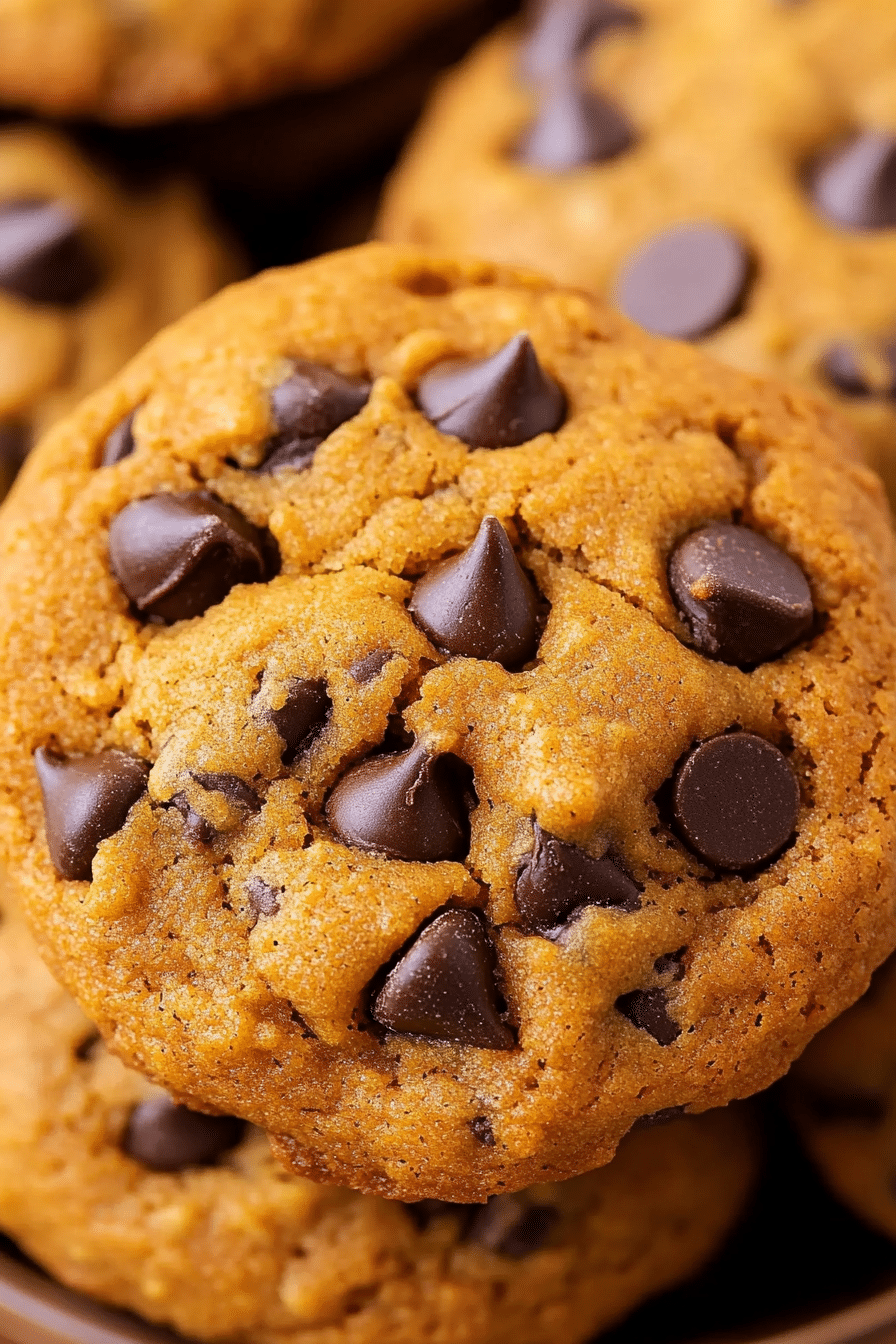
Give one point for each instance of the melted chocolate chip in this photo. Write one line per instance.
(263, 900)
(646, 1009)
(86, 799)
(237, 792)
(555, 878)
(307, 407)
(199, 831)
(686, 281)
(574, 127)
(444, 987)
(15, 442)
(163, 1136)
(855, 371)
(831, 1106)
(855, 186)
(409, 806)
(564, 28)
(302, 714)
(512, 1227)
(497, 402)
(735, 801)
(120, 443)
(480, 603)
(743, 599)
(176, 555)
(44, 255)
(481, 1128)
(369, 667)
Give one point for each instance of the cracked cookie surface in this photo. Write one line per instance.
(103, 1180)
(476, 820)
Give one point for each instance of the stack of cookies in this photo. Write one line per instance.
(449, 730)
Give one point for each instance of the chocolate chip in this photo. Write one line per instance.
(857, 371)
(409, 806)
(658, 1118)
(444, 986)
(163, 1136)
(368, 668)
(855, 186)
(574, 127)
(263, 900)
(44, 255)
(15, 442)
(307, 407)
(830, 1105)
(199, 831)
(735, 801)
(302, 714)
(86, 799)
(237, 792)
(646, 1009)
(671, 963)
(120, 443)
(497, 402)
(564, 28)
(743, 599)
(686, 281)
(480, 603)
(511, 1227)
(481, 1128)
(555, 878)
(176, 555)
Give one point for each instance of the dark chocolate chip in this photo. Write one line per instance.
(307, 407)
(444, 988)
(44, 255)
(482, 1131)
(302, 714)
(855, 186)
(658, 1118)
(855, 371)
(86, 799)
(480, 603)
(408, 805)
(163, 1136)
(686, 281)
(556, 878)
(15, 442)
(646, 1009)
(671, 963)
(263, 900)
(199, 831)
(563, 29)
(237, 792)
(829, 1105)
(176, 555)
(735, 801)
(368, 668)
(743, 599)
(574, 127)
(511, 1227)
(497, 402)
(120, 443)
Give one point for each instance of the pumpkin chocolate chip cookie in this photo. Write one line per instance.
(189, 1220)
(725, 173)
(444, 724)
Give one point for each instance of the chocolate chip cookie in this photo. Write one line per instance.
(726, 173)
(188, 1220)
(444, 724)
(153, 59)
(88, 272)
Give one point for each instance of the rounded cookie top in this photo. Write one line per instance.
(445, 808)
(88, 272)
(156, 60)
(726, 174)
(189, 1220)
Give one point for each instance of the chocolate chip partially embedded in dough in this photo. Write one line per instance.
(303, 713)
(658, 1118)
(855, 186)
(735, 800)
(120, 443)
(564, 28)
(743, 599)
(647, 1010)
(86, 799)
(481, 1129)
(263, 899)
(444, 986)
(497, 402)
(555, 878)
(44, 255)
(175, 555)
(370, 666)
(574, 127)
(15, 442)
(480, 603)
(163, 1136)
(237, 792)
(686, 281)
(409, 805)
(307, 407)
(512, 1227)
(199, 831)
(860, 370)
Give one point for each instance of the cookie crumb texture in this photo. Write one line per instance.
(216, 1240)
(750, 206)
(467, 837)
(153, 60)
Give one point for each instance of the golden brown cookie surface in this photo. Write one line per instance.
(773, 124)
(416, 881)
